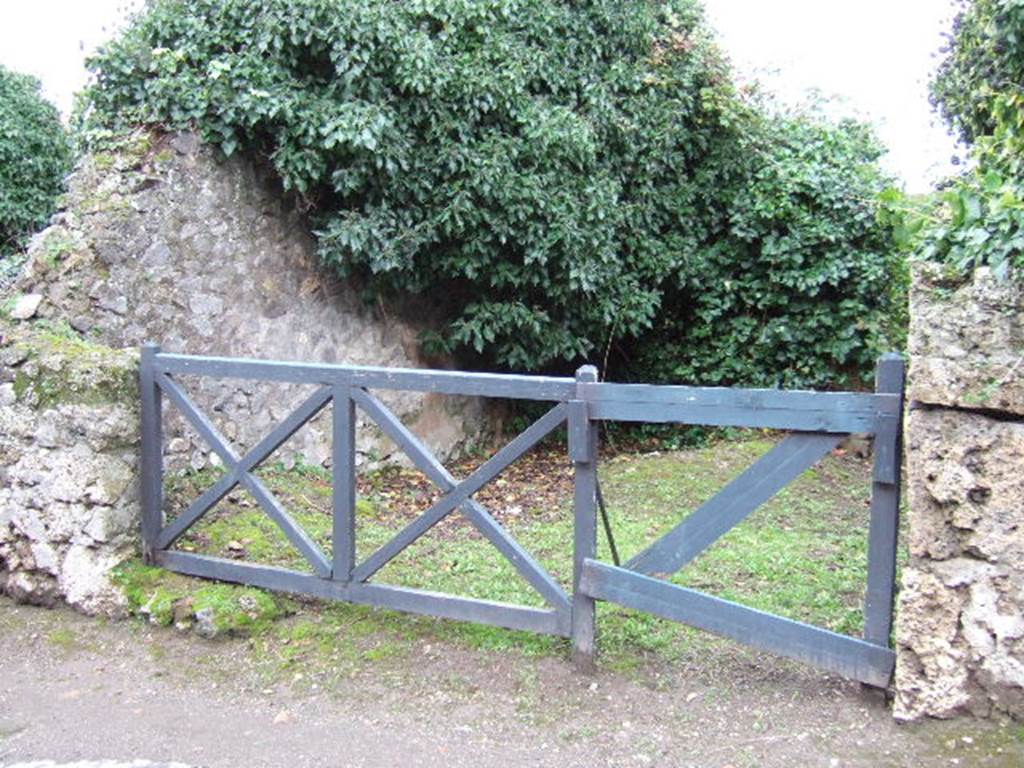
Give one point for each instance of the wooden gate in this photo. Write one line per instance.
(818, 422)
(340, 577)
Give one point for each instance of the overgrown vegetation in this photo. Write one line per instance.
(561, 180)
(978, 218)
(34, 158)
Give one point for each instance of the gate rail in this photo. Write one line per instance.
(819, 421)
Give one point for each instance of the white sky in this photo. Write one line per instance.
(876, 55)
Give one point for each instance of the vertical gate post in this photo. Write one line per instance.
(151, 457)
(343, 470)
(890, 376)
(583, 452)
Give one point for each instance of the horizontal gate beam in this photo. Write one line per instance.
(796, 418)
(847, 656)
(413, 447)
(443, 382)
(416, 601)
(839, 412)
(717, 516)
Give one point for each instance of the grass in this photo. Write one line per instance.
(802, 555)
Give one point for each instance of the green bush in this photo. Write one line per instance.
(978, 83)
(977, 219)
(798, 284)
(34, 158)
(555, 177)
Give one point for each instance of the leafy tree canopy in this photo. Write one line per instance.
(559, 177)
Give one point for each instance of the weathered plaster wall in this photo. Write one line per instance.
(960, 626)
(163, 241)
(68, 468)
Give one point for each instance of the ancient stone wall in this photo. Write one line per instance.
(164, 241)
(960, 625)
(69, 438)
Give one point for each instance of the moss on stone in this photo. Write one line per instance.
(167, 598)
(58, 366)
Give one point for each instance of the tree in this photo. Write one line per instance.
(546, 172)
(978, 219)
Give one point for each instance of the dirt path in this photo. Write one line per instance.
(76, 689)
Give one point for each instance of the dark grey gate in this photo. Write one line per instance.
(819, 421)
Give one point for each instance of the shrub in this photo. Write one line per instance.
(798, 284)
(978, 218)
(34, 158)
(977, 84)
(544, 172)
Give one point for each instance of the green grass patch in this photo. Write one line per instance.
(64, 639)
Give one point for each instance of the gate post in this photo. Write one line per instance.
(343, 482)
(151, 453)
(583, 452)
(885, 506)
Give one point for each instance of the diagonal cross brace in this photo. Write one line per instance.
(240, 471)
(713, 519)
(457, 495)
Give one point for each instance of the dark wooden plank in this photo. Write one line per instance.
(307, 410)
(199, 420)
(523, 561)
(579, 431)
(713, 519)
(584, 614)
(890, 377)
(444, 382)
(151, 458)
(410, 444)
(847, 656)
(737, 398)
(483, 475)
(343, 474)
(527, 566)
(385, 596)
(796, 418)
(207, 499)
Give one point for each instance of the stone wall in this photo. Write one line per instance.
(164, 241)
(960, 625)
(68, 468)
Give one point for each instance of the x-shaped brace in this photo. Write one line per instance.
(458, 495)
(240, 471)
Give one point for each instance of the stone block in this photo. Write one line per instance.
(69, 434)
(960, 629)
(966, 340)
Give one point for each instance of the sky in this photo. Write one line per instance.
(873, 56)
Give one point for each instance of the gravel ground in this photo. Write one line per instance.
(77, 689)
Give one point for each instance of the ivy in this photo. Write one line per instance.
(560, 180)
(977, 218)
